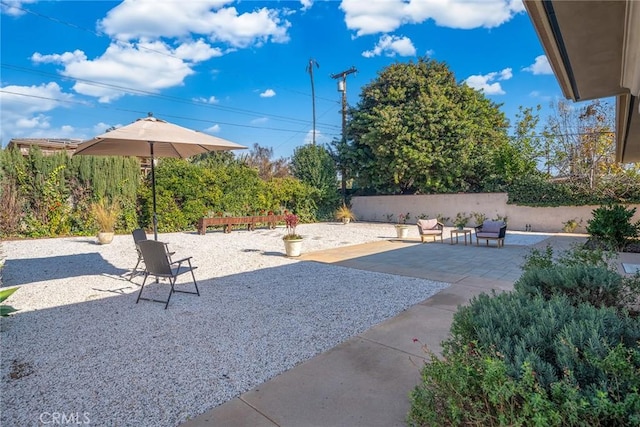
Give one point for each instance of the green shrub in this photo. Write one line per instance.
(513, 359)
(472, 387)
(612, 225)
(597, 286)
(577, 255)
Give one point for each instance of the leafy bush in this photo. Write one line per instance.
(597, 286)
(612, 225)
(536, 190)
(576, 255)
(518, 360)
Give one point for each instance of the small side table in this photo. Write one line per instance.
(458, 232)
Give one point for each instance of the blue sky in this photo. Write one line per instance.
(238, 70)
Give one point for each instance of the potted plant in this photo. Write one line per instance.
(292, 240)
(570, 225)
(461, 220)
(402, 229)
(345, 214)
(106, 215)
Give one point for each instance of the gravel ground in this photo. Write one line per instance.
(82, 350)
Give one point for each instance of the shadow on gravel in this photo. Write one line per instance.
(31, 270)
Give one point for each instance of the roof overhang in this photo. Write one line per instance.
(593, 47)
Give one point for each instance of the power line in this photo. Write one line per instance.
(145, 112)
(165, 97)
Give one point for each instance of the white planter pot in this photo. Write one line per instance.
(402, 231)
(293, 247)
(105, 237)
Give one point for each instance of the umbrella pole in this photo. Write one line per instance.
(153, 191)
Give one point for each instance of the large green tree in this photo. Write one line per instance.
(416, 129)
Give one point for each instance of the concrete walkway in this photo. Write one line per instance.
(366, 380)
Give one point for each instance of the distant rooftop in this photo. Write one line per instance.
(47, 145)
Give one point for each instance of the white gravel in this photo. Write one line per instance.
(80, 349)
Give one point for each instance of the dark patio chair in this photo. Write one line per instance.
(158, 263)
(139, 235)
(491, 230)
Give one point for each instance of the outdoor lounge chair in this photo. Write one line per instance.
(430, 228)
(491, 230)
(158, 263)
(139, 235)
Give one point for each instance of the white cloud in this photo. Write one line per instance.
(268, 93)
(390, 46)
(197, 51)
(320, 138)
(152, 19)
(146, 66)
(33, 99)
(213, 129)
(536, 94)
(14, 7)
(384, 16)
(23, 108)
(505, 74)
(259, 121)
(489, 83)
(102, 127)
(306, 4)
(540, 66)
(210, 100)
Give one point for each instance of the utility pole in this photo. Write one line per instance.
(313, 62)
(342, 87)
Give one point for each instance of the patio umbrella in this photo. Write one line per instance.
(152, 137)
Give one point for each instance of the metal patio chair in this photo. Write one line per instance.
(157, 262)
(139, 235)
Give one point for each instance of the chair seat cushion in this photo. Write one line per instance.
(482, 234)
(434, 232)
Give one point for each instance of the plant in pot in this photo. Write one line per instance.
(345, 214)
(402, 229)
(106, 215)
(461, 220)
(292, 240)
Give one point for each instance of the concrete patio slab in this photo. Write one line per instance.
(366, 380)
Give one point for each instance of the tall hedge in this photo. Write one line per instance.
(49, 195)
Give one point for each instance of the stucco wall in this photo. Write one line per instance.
(493, 205)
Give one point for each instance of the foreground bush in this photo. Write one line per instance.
(514, 359)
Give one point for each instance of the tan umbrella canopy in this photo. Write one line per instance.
(152, 137)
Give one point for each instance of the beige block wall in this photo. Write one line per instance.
(547, 219)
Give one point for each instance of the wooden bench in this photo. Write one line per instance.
(227, 222)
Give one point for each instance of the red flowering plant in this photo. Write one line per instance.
(291, 221)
